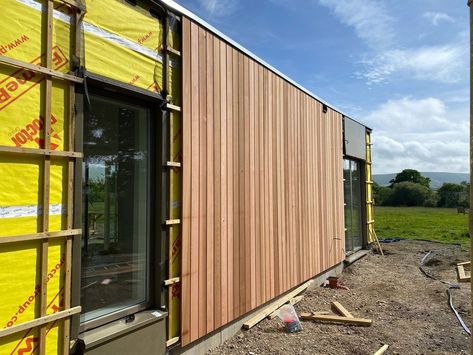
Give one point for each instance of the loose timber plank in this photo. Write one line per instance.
(275, 305)
(338, 308)
(462, 276)
(381, 350)
(292, 301)
(336, 319)
(172, 341)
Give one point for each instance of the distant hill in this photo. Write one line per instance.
(437, 179)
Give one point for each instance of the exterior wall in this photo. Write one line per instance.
(262, 185)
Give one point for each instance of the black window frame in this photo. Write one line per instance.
(105, 87)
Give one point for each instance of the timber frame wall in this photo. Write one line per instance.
(262, 184)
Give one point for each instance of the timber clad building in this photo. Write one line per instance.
(188, 181)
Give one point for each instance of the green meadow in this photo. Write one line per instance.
(438, 224)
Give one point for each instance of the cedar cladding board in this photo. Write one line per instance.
(262, 184)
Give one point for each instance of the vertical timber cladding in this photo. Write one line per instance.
(262, 184)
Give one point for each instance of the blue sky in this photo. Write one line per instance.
(400, 67)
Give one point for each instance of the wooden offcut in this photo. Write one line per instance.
(462, 275)
(172, 281)
(381, 350)
(172, 341)
(173, 164)
(170, 222)
(464, 263)
(173, 107)
(274, 306)
(173, 51)
(336, 319)
(338, 308)
(292, 301)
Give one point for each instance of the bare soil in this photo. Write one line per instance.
(410, 311)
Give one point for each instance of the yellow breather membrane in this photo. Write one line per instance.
(124, 45)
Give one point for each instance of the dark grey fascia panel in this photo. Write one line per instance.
(354, 139)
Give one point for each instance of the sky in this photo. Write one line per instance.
(399, 67)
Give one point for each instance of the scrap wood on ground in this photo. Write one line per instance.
(343, 317)
(409, 311)
(462, 275)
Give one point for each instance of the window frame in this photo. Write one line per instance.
(361, 166)
(109, 88)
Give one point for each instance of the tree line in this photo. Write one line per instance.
(411, 188)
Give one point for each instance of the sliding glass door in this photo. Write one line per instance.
(353, 205)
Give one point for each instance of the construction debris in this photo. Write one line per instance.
(336, 319)
(292, 301)
(462, 275)
(338, 308)
(274, 306)
(344, 316)
(381, 350)
(333, 283)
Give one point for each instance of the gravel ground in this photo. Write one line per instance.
(409, 311)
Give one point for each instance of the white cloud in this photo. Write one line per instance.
(436, 17)
(373, 24)
(369, 18)
(422, 134)
(443, 64)
(218, 7)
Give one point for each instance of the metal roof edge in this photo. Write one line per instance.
(183, 11)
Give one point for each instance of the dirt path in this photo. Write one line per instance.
(410, 312)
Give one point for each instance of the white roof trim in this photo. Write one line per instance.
(183, 11)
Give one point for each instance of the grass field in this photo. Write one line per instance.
(439, 224)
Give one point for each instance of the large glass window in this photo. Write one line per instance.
(116, 174)
(353, 205)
